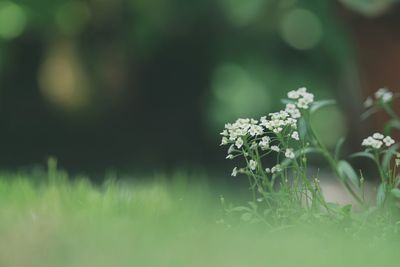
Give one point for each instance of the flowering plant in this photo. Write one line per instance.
(288, 136)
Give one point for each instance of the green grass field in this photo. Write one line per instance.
(60, 223)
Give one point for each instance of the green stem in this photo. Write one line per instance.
(390, 111)
(381, 173)
(333, 164)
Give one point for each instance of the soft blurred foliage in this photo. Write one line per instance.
(149, 83)
(370, 7)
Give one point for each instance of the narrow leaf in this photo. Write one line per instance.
(346, 170)
(302, 128)
(369, 113)
(320, 104)
(362, 155)
(390, 125)
(338, 148)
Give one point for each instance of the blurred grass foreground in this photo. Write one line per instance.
(60, 222)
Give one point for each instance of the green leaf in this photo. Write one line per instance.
(321, 104)
(381, 195)
(346, 170)
(395, 192)
(362, 155)
(392, 124)
(368, 113)
(302, 128)
(338, 147)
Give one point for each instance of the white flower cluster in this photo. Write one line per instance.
(383, 95)
(304, 99)
(248, 135)
(235, 132)
(377, 140)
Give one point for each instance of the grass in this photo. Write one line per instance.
(60, 222)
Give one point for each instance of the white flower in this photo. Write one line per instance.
(388, 141)
(268, 170)
(378, 136)
(377, 145)
(264, 143)
(230, 156)
(295, 136)
(304, 99)
(224, 141)
(276, 168)
(289, 153)
(302, 104)
(275, 148)
(252, 165)
(255, 130)
(381, 92)
(293, 111)
(387, 97)
(293, 94)
(234, 172)
(224, 133)
(384, 94)
(239, 142)
(372, 142)
(369, 102)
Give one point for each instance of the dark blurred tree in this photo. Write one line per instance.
(148, 83)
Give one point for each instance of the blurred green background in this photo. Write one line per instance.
(147, 85)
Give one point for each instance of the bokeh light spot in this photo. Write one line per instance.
(12, 20)
(301, 29)
(237, 93)
(241, 12)
(63, 81)
(329, 123)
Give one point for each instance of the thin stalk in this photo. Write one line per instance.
(332, 162)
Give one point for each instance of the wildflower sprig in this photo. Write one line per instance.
(274, 148)
(273, 136)
(383, 99)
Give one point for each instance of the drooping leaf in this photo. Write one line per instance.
(368, 113)
(320, 104)
(362, 155)
(338, 148)
(346, 170)
(392, 124)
